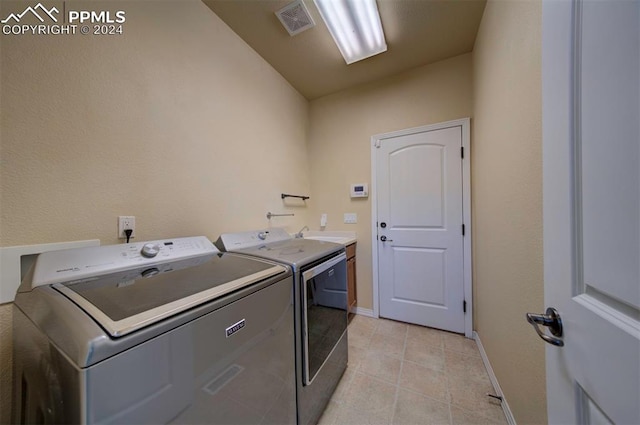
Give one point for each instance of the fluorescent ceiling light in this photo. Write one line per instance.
(355, 27)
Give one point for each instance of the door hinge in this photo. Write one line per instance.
(464, 306)
(463, 229)
(462, 152)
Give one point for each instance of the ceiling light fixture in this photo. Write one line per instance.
(355, 27)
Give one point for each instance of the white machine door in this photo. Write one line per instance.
(591, 105)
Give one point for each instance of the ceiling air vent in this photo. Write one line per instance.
(295, 17)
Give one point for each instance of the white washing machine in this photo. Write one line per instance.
(169, 331)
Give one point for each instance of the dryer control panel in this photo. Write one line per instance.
(80, 263)
(241, 240)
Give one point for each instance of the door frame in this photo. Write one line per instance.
(464, 123)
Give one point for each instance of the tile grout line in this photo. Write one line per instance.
(418, 393)
(367, 350)
(446, 375)
(446, 380)
(395, 400)
(462, 405)
(340, 403)
(397, 385)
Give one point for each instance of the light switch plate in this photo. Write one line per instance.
(350, 218)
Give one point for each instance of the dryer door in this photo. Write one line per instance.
(324, 311)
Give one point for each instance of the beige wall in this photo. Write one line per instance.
(177, 122)
(169, 122)
(340, 141)
(507, 200)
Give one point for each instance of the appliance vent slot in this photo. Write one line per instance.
(295, 17)
(223, 379)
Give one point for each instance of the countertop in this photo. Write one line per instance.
(337, 236)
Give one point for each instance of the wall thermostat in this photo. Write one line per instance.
(359, 190)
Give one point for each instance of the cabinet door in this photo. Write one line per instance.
(351, 282)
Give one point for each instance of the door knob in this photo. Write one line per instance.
(383, 238)
(551, 320)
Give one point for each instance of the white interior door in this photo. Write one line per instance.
(591, 152)
(419, 196)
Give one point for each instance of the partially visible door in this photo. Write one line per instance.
(591, 206)
(420, 216)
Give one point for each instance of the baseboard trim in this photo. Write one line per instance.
(363, 311)
(494, 380)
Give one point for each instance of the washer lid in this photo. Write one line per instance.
(125, 301)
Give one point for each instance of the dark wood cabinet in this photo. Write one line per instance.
(351, 276)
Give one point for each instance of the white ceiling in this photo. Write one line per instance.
(418, 32)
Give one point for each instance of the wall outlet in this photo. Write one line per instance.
(126, 222)
(350, 218)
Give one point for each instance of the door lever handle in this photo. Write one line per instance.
(552, 320)
(383, 238)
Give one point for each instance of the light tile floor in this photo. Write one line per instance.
(404, 374)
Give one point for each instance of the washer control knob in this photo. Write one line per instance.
(150, 250)
(263, 235)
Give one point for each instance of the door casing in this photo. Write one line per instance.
(465, 124)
